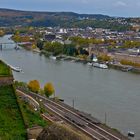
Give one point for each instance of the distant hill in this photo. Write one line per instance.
(9, 17)
(33, 14)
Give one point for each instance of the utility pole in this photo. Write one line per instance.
(1, 47)
(105, 118)
(54, 95)
(73, 103)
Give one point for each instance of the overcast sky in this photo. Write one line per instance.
(108, 7)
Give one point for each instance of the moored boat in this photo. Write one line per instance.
(131, 134)
(100, 65)
(17, 69)
(53, 57)
(89, 64)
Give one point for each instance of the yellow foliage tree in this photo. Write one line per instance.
(34, 86)
(104, 58)
(49, 89)
(34, 46)
(1, 33)
(130, 63)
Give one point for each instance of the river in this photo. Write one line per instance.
(93, 90)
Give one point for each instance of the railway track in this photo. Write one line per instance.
(93, 136)
(105, 134)
(91, 132)
(93, 129)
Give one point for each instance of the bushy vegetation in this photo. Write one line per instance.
(56, 48)
(31, 118)
(104, 58)
(130, 63)
(131, 44)
(4, 69)
(19, 84)
(49, 89)
(59, 132)
(34, 86)
(18, 38)
(11, 121)
(96, 24)
(2, 33)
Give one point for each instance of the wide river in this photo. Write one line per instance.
(93, 90)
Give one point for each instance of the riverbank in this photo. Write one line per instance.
(120, 67)
(12, 124)
(95, 90)
(6, 77)
(125, 68)
(82, 58)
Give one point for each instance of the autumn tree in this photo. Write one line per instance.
(130, 63)
(2, 33)
(56, 48)
(49, 89)
(16, 37)
(104, 57)
(34, 86)
(34, 46)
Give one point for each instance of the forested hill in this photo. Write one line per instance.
(33, 14)
(10, 17)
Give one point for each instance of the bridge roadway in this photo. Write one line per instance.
(94, 131)
(19, 43)
(3, 44)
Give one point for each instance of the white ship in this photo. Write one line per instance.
(100, 65)
(52, 57)
(89, 64)
(17, 69)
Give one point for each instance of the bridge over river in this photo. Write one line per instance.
(4, 44)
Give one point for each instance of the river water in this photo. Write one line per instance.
(93, 90)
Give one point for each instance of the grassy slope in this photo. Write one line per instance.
(11, 122)
(4, 69)
(31, 118)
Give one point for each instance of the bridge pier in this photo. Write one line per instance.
(1, 47)
(8, 43)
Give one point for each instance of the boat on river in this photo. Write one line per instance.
(131, 134)
(100, 65)
(53, 57)
(126, 69)
(90, 64)
(17, 69)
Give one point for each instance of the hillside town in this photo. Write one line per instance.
(119, 50)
